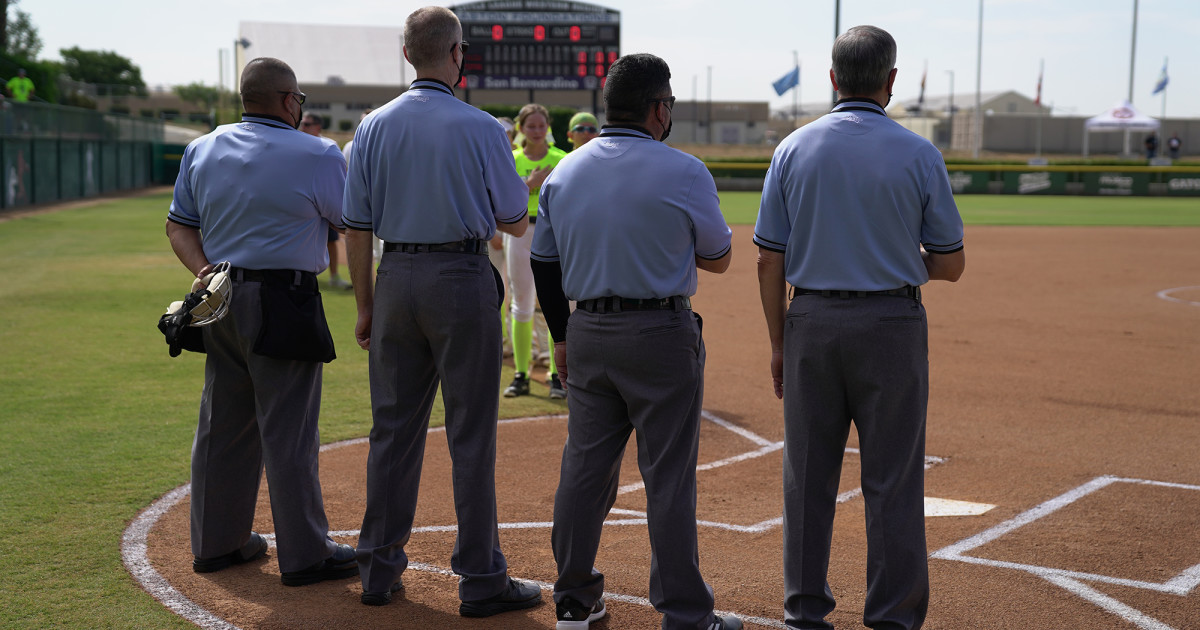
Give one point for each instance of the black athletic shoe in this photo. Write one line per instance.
(517, 595)
(519, 387)
(557, 391)
(338, 566)
(254, 549)
(381, 598)
(725, 623)
(575, 616)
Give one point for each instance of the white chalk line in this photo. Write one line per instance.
(1072, 581)
(1165, 294)
(134, 550)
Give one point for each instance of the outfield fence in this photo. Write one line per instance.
(52, 153)
(1021, 179)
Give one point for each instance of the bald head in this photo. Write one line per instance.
(430, 34)
(265, 81)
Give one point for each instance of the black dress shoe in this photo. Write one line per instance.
(381, 598)
(340, 565)
(517, 595)
(254, 549)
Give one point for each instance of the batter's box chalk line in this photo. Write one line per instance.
(1074, 581)
(1166, 294)
(133, 544)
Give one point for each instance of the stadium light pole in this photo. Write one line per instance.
(243, 43)
(978, 135)
(1133, 50)
(951, 109)
(837, 30)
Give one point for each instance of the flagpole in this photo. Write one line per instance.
(1133, 49)
(977, 140)
(796, 93)
(1164, 101)
(1041, 71)
(837, 30)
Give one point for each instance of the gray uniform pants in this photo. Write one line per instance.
(435, 319)
(643, 371)
(867, 360)
(255, 409)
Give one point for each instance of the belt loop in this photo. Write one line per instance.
(614, 304)
(297, 277)
(676, 303)
(239, 275)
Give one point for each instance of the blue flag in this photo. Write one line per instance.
(1162, 81)
(788, 81)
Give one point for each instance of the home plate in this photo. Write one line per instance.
(950, 507)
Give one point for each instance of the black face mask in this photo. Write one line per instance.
(667, 131)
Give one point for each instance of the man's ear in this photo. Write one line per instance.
(891, 79)
(833, 80)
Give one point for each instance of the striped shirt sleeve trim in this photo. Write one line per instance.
(943, 249)
(514, 219)
(769, 244)
(717, 256)
(542, 258)
(181, 221)
(356, 225)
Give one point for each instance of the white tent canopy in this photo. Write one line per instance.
(1121, 117)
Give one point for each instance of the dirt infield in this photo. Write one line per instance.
(1064, 394)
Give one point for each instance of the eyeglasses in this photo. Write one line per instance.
(310, 123)
(584, 128)
(300, 96)
(668, 101)
(463, 46)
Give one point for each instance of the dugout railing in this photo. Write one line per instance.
(52, 153)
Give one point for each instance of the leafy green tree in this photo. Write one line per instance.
(21, 37)
(103, 67)
(198, 94)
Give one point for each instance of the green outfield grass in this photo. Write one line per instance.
(741, 208)
(96, 421)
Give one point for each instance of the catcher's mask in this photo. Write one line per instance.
(207, 303)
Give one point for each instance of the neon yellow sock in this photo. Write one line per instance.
(553, 367)
(522, 342)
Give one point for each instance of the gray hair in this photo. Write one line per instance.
(862, 59)
(429, 35)
(264, 78)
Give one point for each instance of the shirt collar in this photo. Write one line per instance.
(625, 129)
(432, 84)
(859, 103)
(267, 119)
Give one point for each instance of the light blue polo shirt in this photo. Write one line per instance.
(429, 168)
(851, 197)
(262, 194)
(626, 216)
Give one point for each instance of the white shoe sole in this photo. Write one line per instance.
(582, 624)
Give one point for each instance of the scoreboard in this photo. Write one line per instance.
(538, 44)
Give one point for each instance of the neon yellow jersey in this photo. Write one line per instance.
(20, 87)
(525, 166)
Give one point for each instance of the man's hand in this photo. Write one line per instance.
(362, 330)
(560, 361)
(777, 372)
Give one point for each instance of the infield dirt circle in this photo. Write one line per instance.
(1065, 393)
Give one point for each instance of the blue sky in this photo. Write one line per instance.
(747, 43)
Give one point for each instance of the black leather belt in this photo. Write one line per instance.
(275, 276)
(908, 292)
(469, 246)
(614, 304)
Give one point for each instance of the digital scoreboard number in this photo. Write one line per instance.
(538, 44)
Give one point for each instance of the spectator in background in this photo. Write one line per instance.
(312, 125)
(583, 127)
(1174, 144)
(20, 87)
(1151, 145)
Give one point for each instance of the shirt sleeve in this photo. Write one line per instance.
(772, 229)
(508, 192)
(356, 202)
(941, 224)
(712, 234)
(329, 185)
(545, 246)
(183, 203)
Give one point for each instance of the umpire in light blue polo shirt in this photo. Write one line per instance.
(624, 222)
(856, 215)
(261, 195)
(433, 177)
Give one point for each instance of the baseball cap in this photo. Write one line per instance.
(582, 118)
